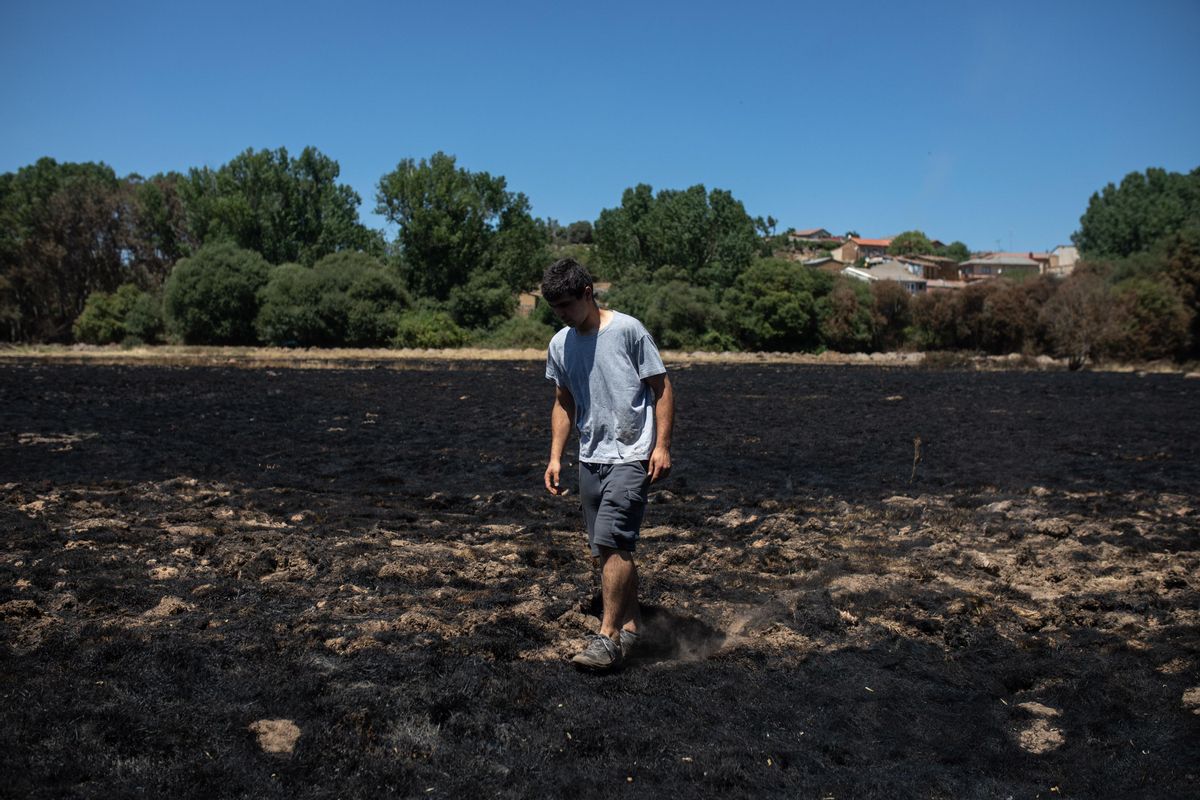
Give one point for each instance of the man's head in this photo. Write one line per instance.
(567, 287)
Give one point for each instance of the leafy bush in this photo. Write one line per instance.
(144, 320)
(212, 297)
(773, 306)
(519, 332)
(128, 314)
(483, 302)
(543, 313)
(678, 315)
(428, 329)
(344, 299)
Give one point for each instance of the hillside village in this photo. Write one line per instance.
(869, 260)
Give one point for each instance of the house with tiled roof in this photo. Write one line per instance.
(810, 235)
(994, 265)
(1062, 260)
(902, 274)
(933, 267)
(857, 247)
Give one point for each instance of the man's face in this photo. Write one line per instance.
(573, 310)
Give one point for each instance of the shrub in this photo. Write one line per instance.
(678, 315)
(847, 319)
(773, 306)
(144, 320)
(893, 314)
(428, 329)
(212, 297)
(128, 314)
(1156, 323)
(483, 302)
(1008, 321)
(935, 321)
(344, 299)
(519, 332)
(1082, 320)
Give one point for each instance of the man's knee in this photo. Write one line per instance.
(608, 552)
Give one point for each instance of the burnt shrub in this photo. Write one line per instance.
(935, 320)
(1008, 321)
(892, 304)
(1082, 320)
(847, 317)
(1156, 322)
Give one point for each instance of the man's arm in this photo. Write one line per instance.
(664, 421)
(561, 415)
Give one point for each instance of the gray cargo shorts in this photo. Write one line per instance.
(614, 502)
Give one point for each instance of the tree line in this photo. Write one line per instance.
(269, 248)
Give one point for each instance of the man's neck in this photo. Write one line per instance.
(596, 321)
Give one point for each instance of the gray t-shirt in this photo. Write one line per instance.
(614, 410)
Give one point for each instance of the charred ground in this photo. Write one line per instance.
(368, 554)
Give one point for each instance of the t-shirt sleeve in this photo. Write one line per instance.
(553, 370)
(645, 355)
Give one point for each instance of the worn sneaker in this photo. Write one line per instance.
(629, 643)
(602, 654)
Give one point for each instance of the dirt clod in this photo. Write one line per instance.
(276, 735)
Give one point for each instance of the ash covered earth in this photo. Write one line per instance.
(221, 582)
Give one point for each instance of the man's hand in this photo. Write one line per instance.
(552, 479)
(660, 464)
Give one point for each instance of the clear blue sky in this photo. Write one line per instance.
(987, 122)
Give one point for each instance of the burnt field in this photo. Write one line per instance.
(199, 564)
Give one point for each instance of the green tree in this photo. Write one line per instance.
(212, 297)
(580, 232)
(955, 250)
(286, 209)
(157, 233)
(679, 315)
(708, 235)
(483, 302)
(453, 222)
(773, 305)
(1135, 216)
(911, 243)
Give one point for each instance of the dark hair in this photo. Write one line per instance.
(565, 277)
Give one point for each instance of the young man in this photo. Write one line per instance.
(609, 379)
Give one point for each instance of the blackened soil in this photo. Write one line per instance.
(1010, 607)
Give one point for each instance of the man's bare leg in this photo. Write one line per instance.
(619, 586)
